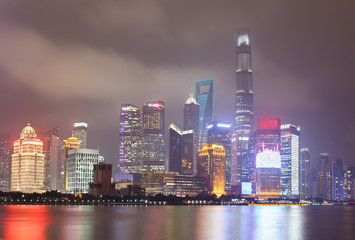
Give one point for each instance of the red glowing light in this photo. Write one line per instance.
(269, 123)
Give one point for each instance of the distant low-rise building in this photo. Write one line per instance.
(171, 183)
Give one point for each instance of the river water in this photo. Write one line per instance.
(176, 222)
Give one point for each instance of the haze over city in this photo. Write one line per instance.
(63, 62)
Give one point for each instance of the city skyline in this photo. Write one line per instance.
(280, 90)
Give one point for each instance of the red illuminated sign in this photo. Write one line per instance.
(269, 123)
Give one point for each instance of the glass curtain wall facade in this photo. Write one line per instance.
(305, 174)
(153, 144)
(130, 139)
(204, 95)
(244, 112)
(191, 122)
(290, 161)
(81, 133)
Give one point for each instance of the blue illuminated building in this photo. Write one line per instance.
(204, 96)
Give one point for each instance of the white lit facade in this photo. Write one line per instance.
(80, 169)
(290, 161)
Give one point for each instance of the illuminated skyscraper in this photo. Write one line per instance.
(220, 133)
(337, 176)
(153, 144)
(349, 183)
(191, 121)
(180, 150)
(268, 158)
(5, 162)
(81, 132)
(305, 174)
(243, 146)
(211, 164)
(204, 95)
(244, 96)
(27, 164)
(324, 178)
(290, 160)
(130, 139)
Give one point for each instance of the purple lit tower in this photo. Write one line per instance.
(267, 158)
(130, 139)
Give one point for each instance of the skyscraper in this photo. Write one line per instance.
(244, 95)
(180, 150)
(305, 174)
(349, 183)
(243, 146)
(27, 164)
(268, 158)
(153, 145)
(175, 148)
(53, 161)
(130, 139)
(337, 182)
(211, 164)
(220, 133)
(204, 95)
(80, 132)
(290, 160)
(5, 162)
(191, 121)
(324, 179)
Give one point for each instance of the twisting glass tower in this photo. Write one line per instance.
(244, 111)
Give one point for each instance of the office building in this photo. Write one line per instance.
(349, 183)
(268, 158)
(290, 161)
(244, 112)
(211, 165)
(70, 143)
(220, 133)
(337, 180)
(54, 177)
(191, 122)
(175, 148)
(5, 162)
(324, 178)
(81, 133)
(80, 163)
(102, 184)
(305, 174)
(153, 144)
(130, 139)
(180, 150)
(27, 163)
(171, 183)
(204, 96)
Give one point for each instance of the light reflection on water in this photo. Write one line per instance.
(176, 222)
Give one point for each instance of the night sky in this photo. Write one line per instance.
(65, 61)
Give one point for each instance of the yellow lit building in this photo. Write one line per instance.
(27, 163)
(70, 143)
(211, 164)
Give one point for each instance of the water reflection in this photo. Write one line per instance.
(176, 222)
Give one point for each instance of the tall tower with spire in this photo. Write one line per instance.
(244, 95)
(191, 121)
(243, 159)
